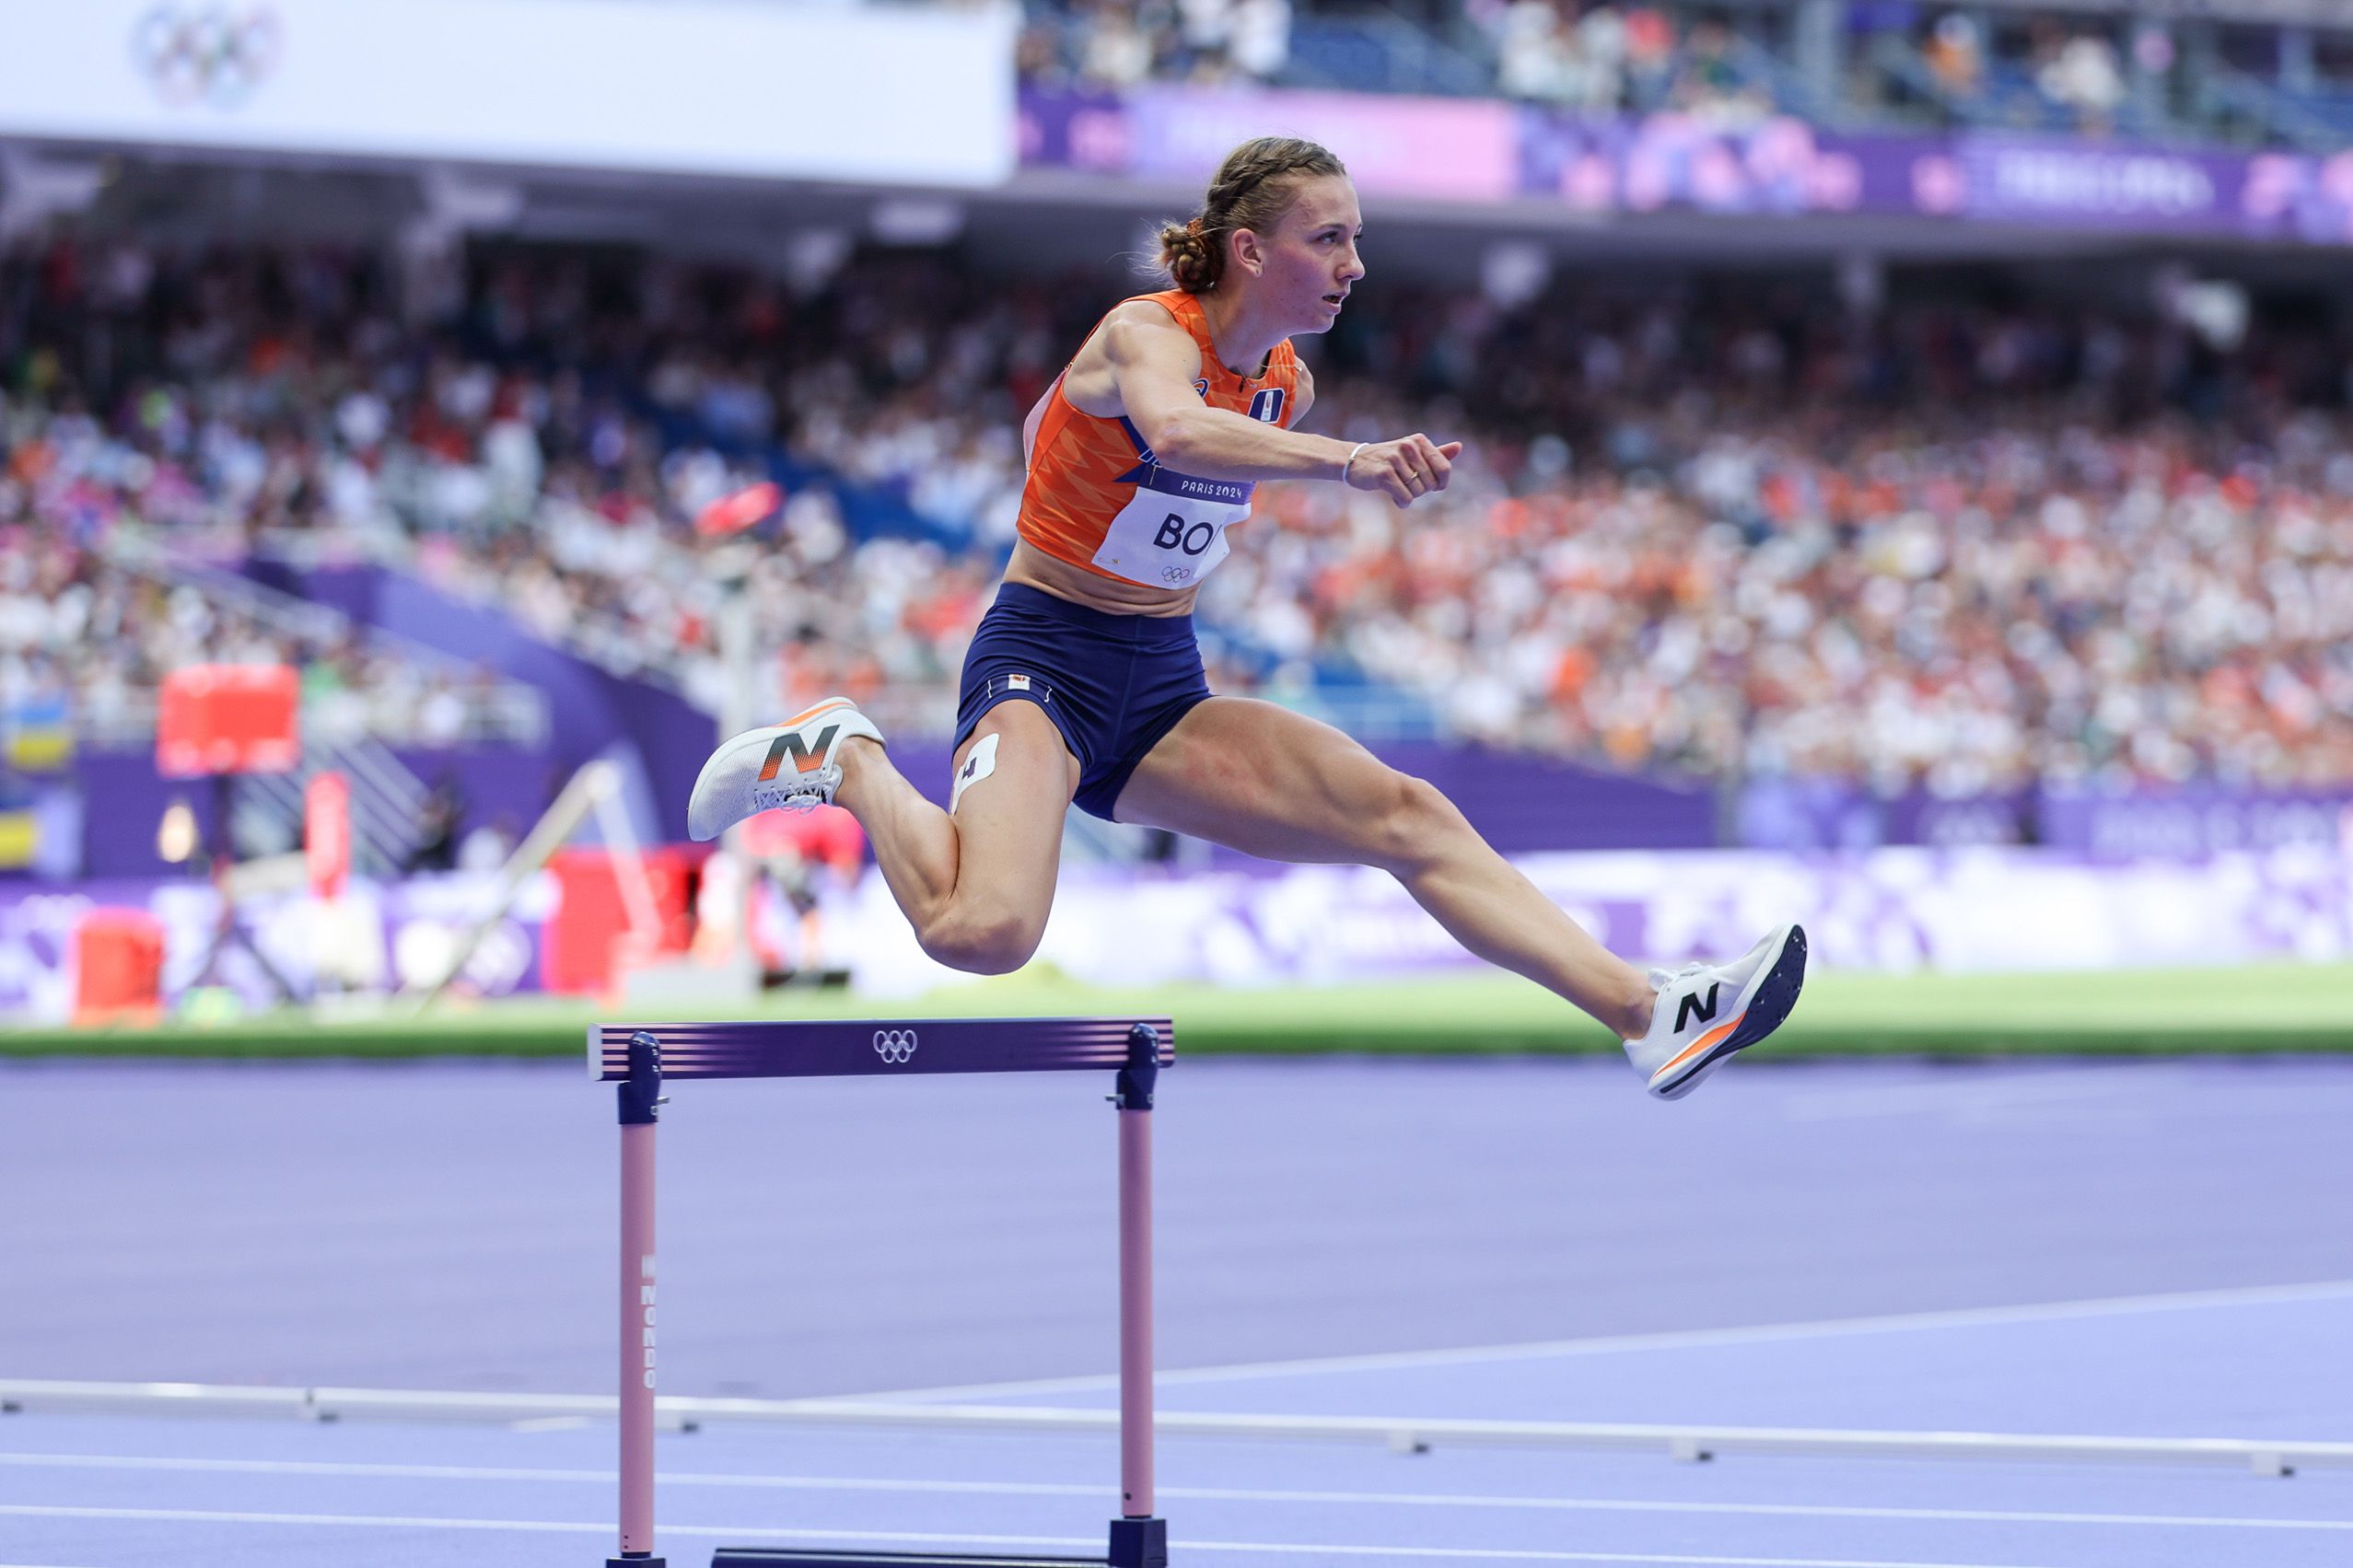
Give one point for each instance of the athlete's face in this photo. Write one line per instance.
(1308, 263)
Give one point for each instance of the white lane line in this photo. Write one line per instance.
(1505, 1555)
(1188, 1494)
(574, 1527)
(1691, 1338)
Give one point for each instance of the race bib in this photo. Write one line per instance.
(1172, 533)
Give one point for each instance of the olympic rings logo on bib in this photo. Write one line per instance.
(895, 1046)
(1172, 530)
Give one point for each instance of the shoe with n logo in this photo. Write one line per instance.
(796, 765)
(1705, 1012)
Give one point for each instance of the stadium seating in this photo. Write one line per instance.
(1966, 545)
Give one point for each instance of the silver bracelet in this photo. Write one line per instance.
(1349, 460)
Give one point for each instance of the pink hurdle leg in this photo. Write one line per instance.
(637, 1338)
(1136, 1313)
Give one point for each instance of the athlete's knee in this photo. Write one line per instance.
(1413, 825)
(983, 941)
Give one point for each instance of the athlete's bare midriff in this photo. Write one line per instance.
(1112, 596)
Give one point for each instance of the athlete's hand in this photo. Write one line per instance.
(1407, 470)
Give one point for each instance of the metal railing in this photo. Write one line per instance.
(387, 805)
(497, 711)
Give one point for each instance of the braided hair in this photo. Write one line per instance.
(1253, 191)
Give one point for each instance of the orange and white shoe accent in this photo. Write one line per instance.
(795, 765)
(1705, 1012)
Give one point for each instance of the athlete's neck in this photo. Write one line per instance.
(1242, 340)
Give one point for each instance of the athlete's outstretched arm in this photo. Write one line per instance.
(1153, 364)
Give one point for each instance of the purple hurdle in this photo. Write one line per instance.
(639, 1056)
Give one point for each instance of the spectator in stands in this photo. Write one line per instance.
(1260, 46)
(1709, 85)
(1600, 55)
(1532, 54)
(1117, 53)
(2079, 74)
(1955, 56)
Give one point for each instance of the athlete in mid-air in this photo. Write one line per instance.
(1084, 682)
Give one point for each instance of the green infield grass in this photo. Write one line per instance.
(2261, 1008)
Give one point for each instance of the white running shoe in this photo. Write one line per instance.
(794, 764)
(1705, 1012)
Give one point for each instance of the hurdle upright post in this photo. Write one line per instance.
(1138, 1538)
(640, 1095)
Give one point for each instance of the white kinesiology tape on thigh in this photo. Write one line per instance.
(979, 763)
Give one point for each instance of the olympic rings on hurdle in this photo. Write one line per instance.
(895, 1045)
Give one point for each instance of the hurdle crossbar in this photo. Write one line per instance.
(637, 1057)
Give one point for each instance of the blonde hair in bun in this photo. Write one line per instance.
(1253, 191)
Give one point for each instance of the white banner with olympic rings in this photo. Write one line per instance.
(903, 94)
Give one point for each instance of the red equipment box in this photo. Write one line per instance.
(227, 718)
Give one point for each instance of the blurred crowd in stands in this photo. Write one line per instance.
(1598, 59)
(137, 409)
(1953, 539)
(1842, 63)
(82, 634)
(1114, 44)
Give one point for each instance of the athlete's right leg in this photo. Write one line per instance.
(976, 885)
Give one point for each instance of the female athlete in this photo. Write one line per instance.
(1084, 684)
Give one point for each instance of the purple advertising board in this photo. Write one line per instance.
(2195, 821)
(1485, 151)
(2188, 821)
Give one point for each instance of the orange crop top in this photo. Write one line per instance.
(1097, 497)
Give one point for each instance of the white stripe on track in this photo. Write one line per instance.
(573, 1526)
(1690, 1339)
(1187, 1493)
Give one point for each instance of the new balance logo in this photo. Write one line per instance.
(1693, 1005)
(806, 759)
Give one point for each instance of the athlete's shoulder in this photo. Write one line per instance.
(1168, 309)
(1148, 327)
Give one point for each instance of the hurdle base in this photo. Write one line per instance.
(637, 1560)
(1135, 1543)
(1139, 1543)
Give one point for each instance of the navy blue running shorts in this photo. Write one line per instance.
(1112, 684)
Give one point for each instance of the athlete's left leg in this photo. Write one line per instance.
(1277, 785)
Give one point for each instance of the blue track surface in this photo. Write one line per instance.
(1883, 1246)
